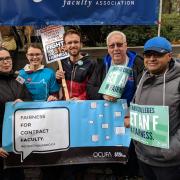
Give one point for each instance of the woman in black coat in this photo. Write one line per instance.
(10, 90)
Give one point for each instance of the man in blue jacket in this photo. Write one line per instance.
(118, 55)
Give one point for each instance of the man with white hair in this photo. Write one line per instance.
(118, 55)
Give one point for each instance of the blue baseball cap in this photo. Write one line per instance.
(158, 44)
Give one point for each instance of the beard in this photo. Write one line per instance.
(74, 52)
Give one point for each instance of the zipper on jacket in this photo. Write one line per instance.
(73, 74)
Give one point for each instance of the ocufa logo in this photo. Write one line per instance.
(37, 1)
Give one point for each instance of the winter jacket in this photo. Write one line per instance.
(135, 62)
(10, 90)
(77, 74)
(150, 92)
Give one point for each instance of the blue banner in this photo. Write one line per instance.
(37, 129)
(78, 12)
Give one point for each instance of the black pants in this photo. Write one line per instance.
(14, 174)
(70, 172)
(159, 173)
(132, 165)
(11, 173)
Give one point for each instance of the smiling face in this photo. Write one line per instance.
(156, 63)
(73, 44)
(35, 57)
(5, 61)
(117, 48)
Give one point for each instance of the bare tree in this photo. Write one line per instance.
(167, 6)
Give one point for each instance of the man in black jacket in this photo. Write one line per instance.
(10, 90)
(118, 55)
(78, 68)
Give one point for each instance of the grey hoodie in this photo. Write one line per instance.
(150, 92)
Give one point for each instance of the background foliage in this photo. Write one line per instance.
(137, 35)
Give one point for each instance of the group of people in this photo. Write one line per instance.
(155, 80)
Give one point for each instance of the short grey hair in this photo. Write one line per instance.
(116, 33)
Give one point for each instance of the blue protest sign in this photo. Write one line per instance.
(44, 127)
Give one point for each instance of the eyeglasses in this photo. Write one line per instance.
(34, 55)
(71, 42)
(7, 59)
(118, 45)
(154, 54)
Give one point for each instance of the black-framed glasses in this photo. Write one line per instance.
(113, 45)
(7, 58)
(154, 54)
(34, 54)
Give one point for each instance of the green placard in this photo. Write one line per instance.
(150, 125)
(115, 81)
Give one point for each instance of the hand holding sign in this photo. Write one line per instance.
(3, 153)
(115, 81)
(52, 39)
(63, 82)
(109, 98)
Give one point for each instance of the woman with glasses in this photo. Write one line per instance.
(10, 90)
(40, 81)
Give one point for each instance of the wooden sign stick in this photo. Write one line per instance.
(64, 85)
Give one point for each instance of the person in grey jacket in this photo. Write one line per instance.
(160, 85)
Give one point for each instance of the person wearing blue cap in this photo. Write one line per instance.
(160, 86)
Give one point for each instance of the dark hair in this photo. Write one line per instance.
(34, 45)
(3, 49)
(72, 31)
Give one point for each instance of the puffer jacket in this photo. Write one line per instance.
(150, 92)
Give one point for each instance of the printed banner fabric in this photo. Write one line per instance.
(79, 12)
(65, 132)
